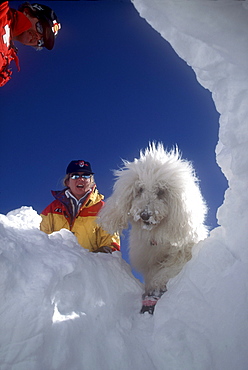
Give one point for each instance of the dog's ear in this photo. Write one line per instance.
(186, 216)
(114, 215)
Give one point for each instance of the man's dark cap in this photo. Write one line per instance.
(79, 166)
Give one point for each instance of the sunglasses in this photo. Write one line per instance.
(39, 29)
(76, 176)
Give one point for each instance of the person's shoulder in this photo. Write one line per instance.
(4, 7)
(4, 3)
(54, 207)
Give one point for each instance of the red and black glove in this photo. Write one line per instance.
(103, 249)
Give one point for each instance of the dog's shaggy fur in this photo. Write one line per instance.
(159, 195)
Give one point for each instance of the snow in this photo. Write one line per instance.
(63, 307)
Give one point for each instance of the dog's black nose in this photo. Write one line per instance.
(145, 215)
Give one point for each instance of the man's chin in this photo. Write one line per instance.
(24, 39)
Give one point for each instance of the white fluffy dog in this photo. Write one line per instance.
(159, 195)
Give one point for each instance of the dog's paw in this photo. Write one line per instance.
(148, 305)
(149, 301)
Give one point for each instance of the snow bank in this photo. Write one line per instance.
(62, 307)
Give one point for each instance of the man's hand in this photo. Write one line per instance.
(103, 250)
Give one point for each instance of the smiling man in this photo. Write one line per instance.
(32, 24)
(76, 207)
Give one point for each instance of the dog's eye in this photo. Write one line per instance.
(160, 193)
(139, 191)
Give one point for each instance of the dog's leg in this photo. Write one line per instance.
(149, 300)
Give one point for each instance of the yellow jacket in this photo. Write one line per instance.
(57, 215)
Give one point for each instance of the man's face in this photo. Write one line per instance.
(80, 186)
(31, 36)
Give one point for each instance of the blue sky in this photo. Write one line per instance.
(110, 85)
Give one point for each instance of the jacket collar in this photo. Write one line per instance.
(92, 198)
